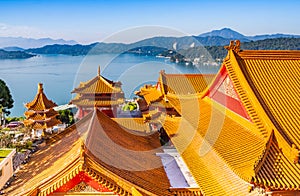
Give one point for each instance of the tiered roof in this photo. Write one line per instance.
(175, 84)
(98, 91)
(229, 149)
(40, 113)
(149, 93)
(40, 101)
(94, 101)
(122, 160)
(170, 86)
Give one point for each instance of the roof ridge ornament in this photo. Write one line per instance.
(162, 72)
(234, 45)
(40, 87)
(99, 70)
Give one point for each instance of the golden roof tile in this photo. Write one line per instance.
(136, 124)
(40, 102)
(98, 103)
(266, 82)
(149, 93)
(45, 164)
(275, 170)
(207, 136)
(64, 153)
(274, 78)
(269, 92)
(41, 123)
(39, 115)
(99, 85)
(131, 151)
(182, 84)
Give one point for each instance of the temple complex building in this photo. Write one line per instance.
(97, 156)
(100, 92)
(40, 115)
(241, 135)
(156, 97)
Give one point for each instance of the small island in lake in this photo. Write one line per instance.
(14, 54)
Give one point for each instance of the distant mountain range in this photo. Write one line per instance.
(214, 38)
(231, 34)
(153, 46)
(25, 43)
(13, 48)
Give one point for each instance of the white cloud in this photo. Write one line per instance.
(7, 30)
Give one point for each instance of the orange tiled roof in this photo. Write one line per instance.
(40, 114)
(275, 169)
(182, 84)
(180, 102)
(40, 102)
(41, 123)
(149, 93)
(98, 103)
(107, 145)
(130, 150)
(45, 164)
(267, 82)
(274, 78)
(220, 152)
(269, 92)
(98, 84)
(136, 124)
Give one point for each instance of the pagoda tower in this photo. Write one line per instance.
(99, 92)
(40, 115)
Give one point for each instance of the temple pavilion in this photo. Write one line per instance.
(100, 92)
(155, 97)
(40, 115)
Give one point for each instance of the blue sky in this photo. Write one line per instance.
(89, 21)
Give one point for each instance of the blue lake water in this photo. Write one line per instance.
(61, 73)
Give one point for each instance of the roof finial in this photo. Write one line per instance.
(40, 87)
(234, 45)
(99, 70)
(237, 45)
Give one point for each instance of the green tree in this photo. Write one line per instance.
(6, 101)
(66, 116)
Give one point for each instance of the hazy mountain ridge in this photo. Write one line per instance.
(214, 38)
(13, 48)
(231, 34)
(26, 43)
(225, 33)
(212, 41)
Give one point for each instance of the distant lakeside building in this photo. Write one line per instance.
(236, 133)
